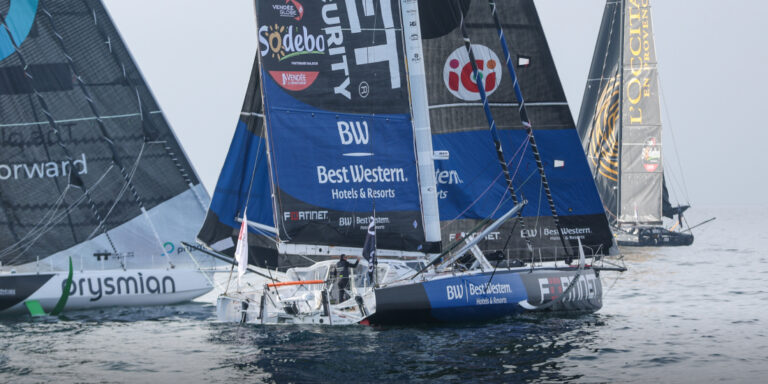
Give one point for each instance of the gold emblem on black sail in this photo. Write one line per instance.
(603, 148)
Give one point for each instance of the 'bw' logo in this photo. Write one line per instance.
(353, 132)
(454, 292)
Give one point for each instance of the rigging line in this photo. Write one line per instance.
(74, 178)
(527, 123)
(673, 186)
(274, 180)
(489, 117)
(490, 185)
(40, 229)
(42, 226)
(517, 169)
(527, 179)
(253, 172)
(679, 161)
(48, 155)
(620, 134)
(538, 207)
(120, 194)
(104, 133)
(37, 228)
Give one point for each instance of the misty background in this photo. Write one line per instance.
(197, 55)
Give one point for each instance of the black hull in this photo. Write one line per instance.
(653, 237)
(487, 296)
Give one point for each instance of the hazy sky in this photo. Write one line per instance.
(197, 56)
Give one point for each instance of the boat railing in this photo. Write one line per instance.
(540, 255)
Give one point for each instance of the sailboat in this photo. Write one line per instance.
(338, 116)
(96, 192)
(621, 131)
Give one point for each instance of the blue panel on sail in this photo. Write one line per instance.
(246, 157)
(343, 162)
(338, 122)
(470, 185)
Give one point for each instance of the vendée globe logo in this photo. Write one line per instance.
(20, 17)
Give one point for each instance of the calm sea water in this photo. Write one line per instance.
(695, 314)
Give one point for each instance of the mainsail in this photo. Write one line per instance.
(470, 185)
(620, 120)
(88, 163)
(334, 161)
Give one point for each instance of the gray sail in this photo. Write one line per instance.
(88, 163)
(641, 168)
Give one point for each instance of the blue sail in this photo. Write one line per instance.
(337, 123)
(243, 182)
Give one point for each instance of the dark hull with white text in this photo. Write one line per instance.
(486, 296)
(653, 237)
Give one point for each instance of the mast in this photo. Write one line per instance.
(274, 195)
(421, 124)
(621, 114)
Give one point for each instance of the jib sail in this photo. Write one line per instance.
(470, 185)
(244, 184)
(620, 121)
(88, 163)
(338, 123)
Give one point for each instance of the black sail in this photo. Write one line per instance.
(88, 162)
(470, 187)
(599, 123)
(620, 120)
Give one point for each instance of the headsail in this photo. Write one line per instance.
(620, 120)
(244, 183)
(470, 185)
(338, 124)
(88, 163)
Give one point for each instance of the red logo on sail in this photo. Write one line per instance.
(291, 8)
(294, 80)
(651, 155)
(460, 79)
